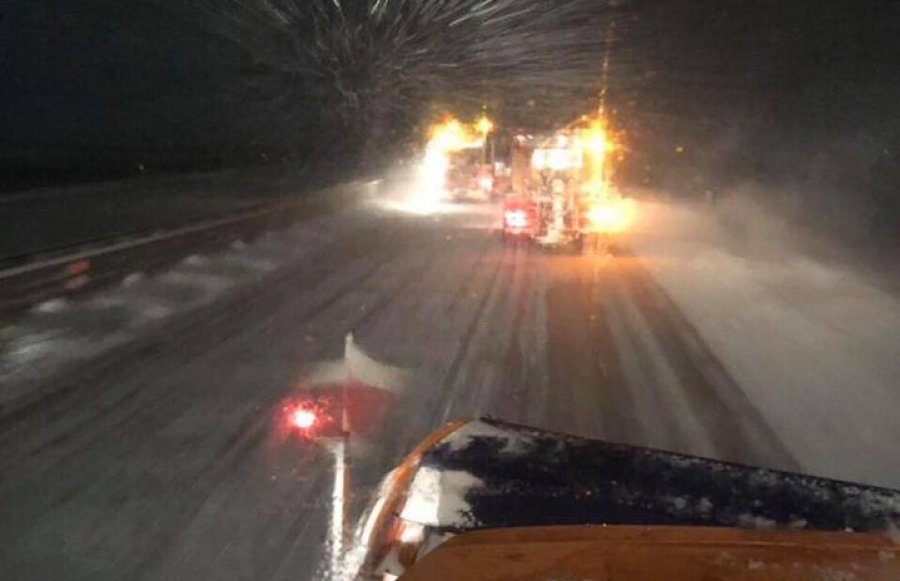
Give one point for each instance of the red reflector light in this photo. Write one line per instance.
(303, 419)
(311, 415)
(516, 218)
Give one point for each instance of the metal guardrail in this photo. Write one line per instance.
(90, 268)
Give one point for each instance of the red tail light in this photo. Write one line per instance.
(516, 218)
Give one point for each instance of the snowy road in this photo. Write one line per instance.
(161, 461)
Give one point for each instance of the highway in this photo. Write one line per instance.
(163, 459)
(46, 220)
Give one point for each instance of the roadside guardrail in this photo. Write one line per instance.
(73, 272)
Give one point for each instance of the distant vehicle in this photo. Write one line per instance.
(560, 181)
(520, 219)
(485, 499)
(468, 177)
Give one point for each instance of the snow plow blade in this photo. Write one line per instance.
(486, 474)
(652, 553)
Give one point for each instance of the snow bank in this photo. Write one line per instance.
(815, 346)
(58, 332)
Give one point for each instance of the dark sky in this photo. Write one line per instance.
(148, 74)
(96, 73)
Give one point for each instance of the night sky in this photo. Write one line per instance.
(86, 74)
(143, 74)
(751, 89)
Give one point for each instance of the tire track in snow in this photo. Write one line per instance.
(466, 340)
(737, 429)
(589, 394)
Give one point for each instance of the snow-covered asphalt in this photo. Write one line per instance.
(162, 458)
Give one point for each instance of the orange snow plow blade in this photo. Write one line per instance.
(651, 553)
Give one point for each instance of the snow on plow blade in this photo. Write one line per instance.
(487, 474)
(531, 477)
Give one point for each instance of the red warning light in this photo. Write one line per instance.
(311, 416)
(303, 419)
